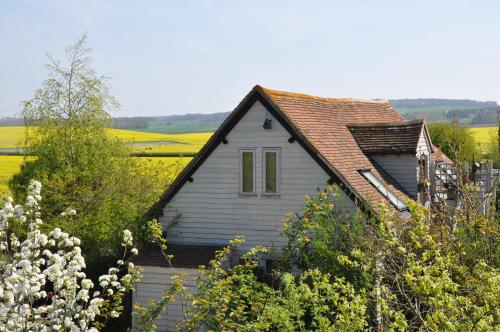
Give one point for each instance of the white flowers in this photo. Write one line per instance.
(42, 285)
(127, 238)
(68, 212)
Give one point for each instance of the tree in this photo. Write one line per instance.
(455, 141)
(79, 164)
(42, 283)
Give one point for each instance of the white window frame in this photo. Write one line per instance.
(253, 151)
(278, 171)
(382, 188)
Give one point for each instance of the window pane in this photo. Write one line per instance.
(247, 172)
(384, 190)
(271, 170)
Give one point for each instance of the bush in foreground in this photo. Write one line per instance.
(42, 283)
(428, 271)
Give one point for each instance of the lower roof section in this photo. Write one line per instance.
(184, 256)
(387, 138)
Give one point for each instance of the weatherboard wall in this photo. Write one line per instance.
(424, 146)
(404, 167)
(211, 210)
(154, 281)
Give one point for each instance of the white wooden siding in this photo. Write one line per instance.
(423, 146)
(404, 167)
(401, 167)
(213, 212)
(154, 281)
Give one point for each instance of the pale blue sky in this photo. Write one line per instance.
(167, 57)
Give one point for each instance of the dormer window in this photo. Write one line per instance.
(399, 204)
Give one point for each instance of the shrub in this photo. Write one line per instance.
(42, 283)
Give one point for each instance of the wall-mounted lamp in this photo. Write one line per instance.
(268, 122)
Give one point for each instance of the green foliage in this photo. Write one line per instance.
(229, 299)
(426, 277)
(232, 298)
(455, 141)
(80, 165)
(430, 271)
(315, 302)
(493, 151)
(324, 235)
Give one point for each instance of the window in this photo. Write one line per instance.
(399, 204)
(247, 171)
(271, 171)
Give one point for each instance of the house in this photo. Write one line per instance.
(273, 149)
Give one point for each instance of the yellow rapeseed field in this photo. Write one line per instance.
(11, 137)
(167, 162)
(9, 165)
(484, 134)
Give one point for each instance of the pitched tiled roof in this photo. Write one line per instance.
(383, 138)
(438, 155)
(320, 125)
(323, 122)
(184, 256)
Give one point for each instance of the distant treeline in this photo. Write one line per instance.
(130, 123)
(433, 102)
(10, 122)
(477, 116)
(144, 123)
(214, 117)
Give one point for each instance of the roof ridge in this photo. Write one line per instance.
(387, 124)
(311, 97)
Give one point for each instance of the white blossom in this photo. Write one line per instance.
(37, 258)
(127, 237)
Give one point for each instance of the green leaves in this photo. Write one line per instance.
(325, 237)
(395, 274)
(455, 141)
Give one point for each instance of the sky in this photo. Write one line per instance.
(177, 57)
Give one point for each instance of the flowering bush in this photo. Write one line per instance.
(42, 285)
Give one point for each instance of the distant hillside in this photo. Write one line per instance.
(193, 122)
(446, 103)
(433, 110)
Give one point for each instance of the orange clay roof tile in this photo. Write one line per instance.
(324, 123)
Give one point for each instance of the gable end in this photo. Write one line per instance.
(219, 136)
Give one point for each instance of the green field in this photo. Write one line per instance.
(188, 126)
